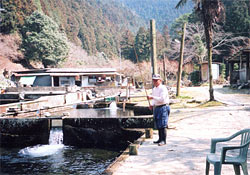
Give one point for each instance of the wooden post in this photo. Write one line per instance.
(123, 105)
(247, 67)
(127, 89)
(133, 149)
(149, 133)
(181, 60)
(153, 46)
(164, 70)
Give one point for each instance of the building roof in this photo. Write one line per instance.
(66, 72)
(240, 55)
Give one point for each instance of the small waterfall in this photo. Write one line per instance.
(113, 106)
(55, 145)
(56, 136)
(113, 109)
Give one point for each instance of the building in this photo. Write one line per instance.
(239, 68)
(56, 77)
(205, 71)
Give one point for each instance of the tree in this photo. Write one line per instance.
(142, 45)
(195, 48)
(127, 46)
(42, 40)
(8, 20)
(12, 18)
(210, 11)
(237, 17)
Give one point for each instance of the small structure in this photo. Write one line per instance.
(55, 77)
(205, 71)
(241, 72)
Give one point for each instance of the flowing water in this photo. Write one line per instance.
(56, 158)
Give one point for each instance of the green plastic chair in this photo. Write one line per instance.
(223, 158)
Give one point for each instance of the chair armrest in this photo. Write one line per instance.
(226, 148)
(214, 141)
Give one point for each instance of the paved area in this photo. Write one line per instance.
(188, 141)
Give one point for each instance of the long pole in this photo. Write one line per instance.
(181, 60)
(153, 46)
(142, 77)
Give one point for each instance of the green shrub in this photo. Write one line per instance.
(43, 41)
(195, 77)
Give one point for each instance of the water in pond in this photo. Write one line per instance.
(112, 111)
(56, 158)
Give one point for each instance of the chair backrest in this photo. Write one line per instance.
(245, 138)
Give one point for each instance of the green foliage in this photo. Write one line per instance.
(183, 97)
(237, 17)
(8, 22)
(127, 46)
(163, 11)
(13, 16)
(95, 25)
(43, 41)
(176, 28)
(142, 45)
(236, 67)
(200, 47)
(223, 70)
(195, 77)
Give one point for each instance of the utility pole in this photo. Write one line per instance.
(153, 46)
(120, 71)
(164, 70)
(181, 60)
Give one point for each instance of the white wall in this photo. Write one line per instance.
(85, 81)
(215, 71)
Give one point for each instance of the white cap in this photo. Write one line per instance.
(156, 77)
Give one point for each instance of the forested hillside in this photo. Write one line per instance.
(94, 24)
(163, 11)
(106, 28)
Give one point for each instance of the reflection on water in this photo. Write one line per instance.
(110, 112)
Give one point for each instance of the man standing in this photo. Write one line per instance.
(160, 106)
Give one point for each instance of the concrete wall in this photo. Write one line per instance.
(35, 89)
(106, 133)
(47, 102)
(23, 132)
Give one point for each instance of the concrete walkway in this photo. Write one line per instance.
(188, 142)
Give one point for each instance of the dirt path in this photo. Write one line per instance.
(188, 144)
